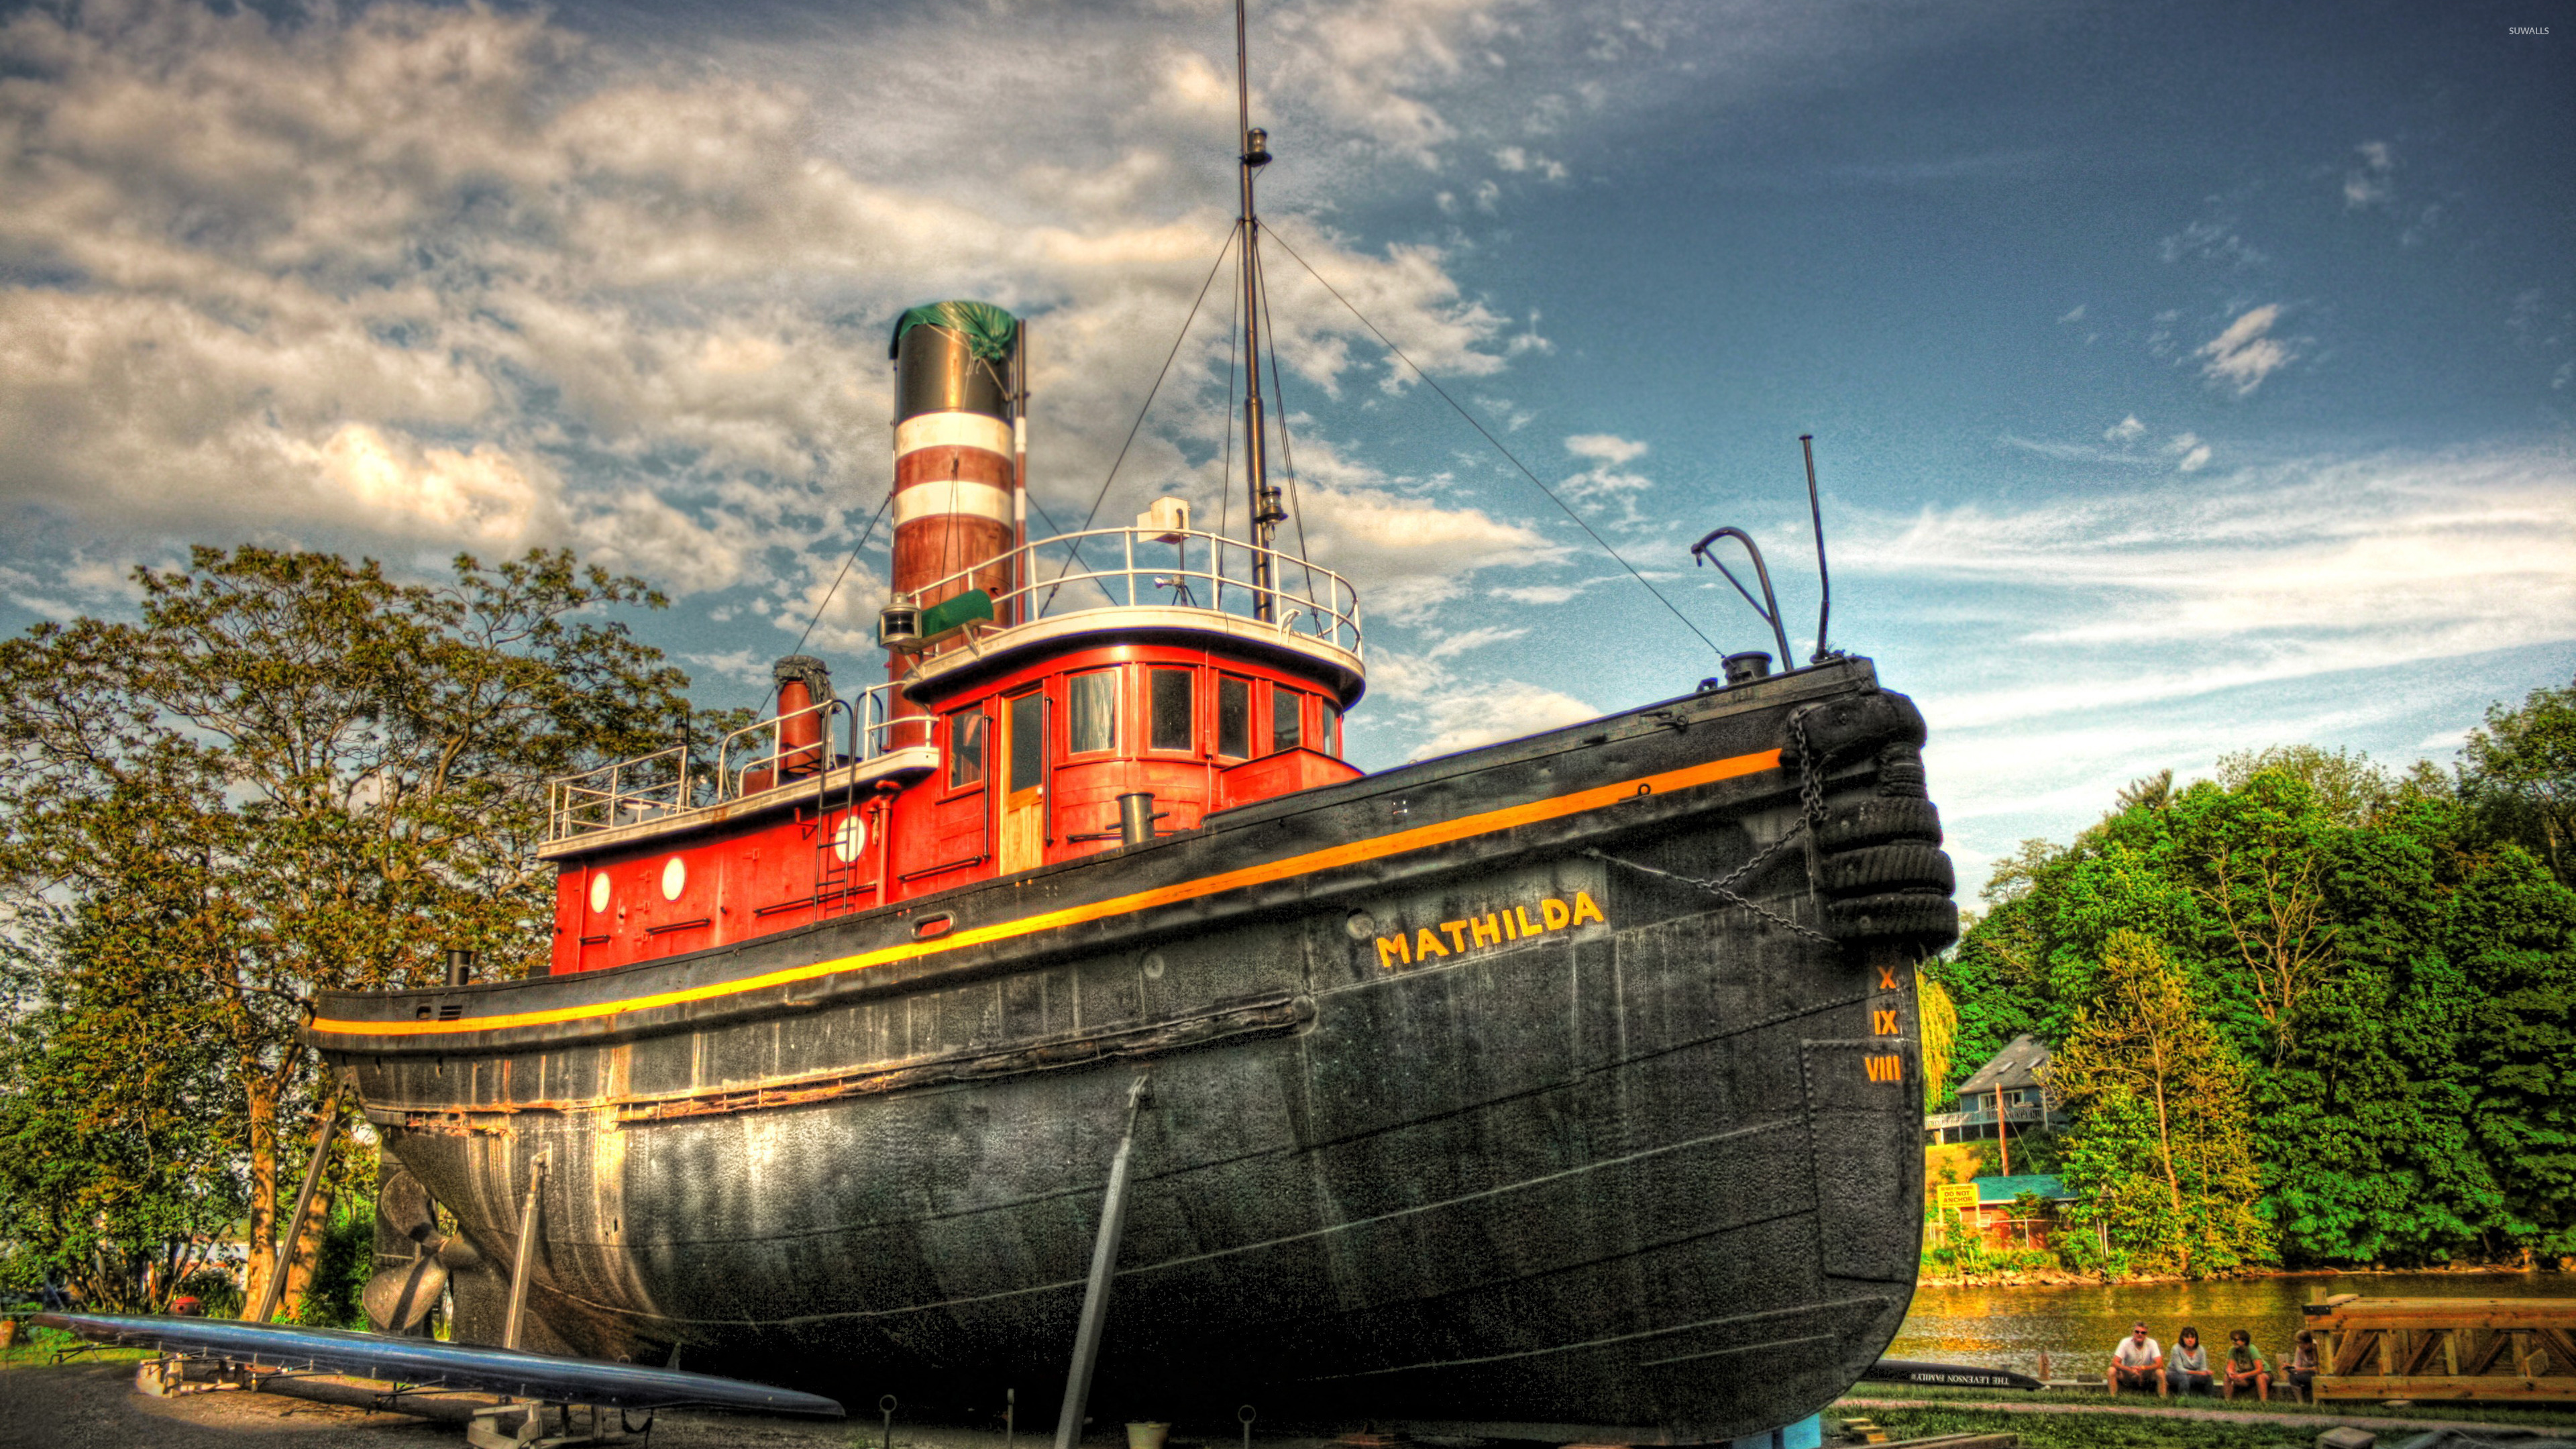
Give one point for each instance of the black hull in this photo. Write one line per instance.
(1648, 1174)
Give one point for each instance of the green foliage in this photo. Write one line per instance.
(2391, 959)
(2520, 773)
(288, 774)
(341, 1267)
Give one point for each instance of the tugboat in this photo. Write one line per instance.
(1565, 1088)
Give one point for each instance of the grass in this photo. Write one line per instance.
(2084, 1431)
(2535, 1415)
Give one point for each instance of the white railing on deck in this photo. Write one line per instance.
(1118, 568)
(669, 782)
(1072, 573)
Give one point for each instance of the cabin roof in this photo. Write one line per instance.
(2015, 1067)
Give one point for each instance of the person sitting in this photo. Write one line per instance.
(2188, 1371)
(2246, 1369)
(2303, 1367)
(2137, 1362)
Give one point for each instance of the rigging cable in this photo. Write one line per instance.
(1075, 554)
(1488, 436)
(1221, 255)
(1225, 482)
(1287, 450)
(843, 574)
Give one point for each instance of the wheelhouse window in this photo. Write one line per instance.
(966, 748)
(1329, 738)
(1287, 712)
(1233, 717)
(1092, 717)
(1175, 727)
(1028, 741)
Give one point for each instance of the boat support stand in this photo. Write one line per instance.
(1095, 1294)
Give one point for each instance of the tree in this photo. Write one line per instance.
(2165, 1141)
(292, 774)
(1936, 1027)
(2521, 772)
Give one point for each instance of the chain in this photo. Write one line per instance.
(1811, 780)
(1724, 888)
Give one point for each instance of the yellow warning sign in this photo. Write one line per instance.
(1954, 1195)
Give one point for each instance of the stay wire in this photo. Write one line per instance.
(1287, 450)
(1488, 436)
(1233, 354)
(1075, 555)
(879, 516)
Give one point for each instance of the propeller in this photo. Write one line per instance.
(397, 1299)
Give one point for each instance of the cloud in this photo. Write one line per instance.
(1447, 714)
(424, 275)
(2245, 354)
(2074, 315)
(1519, 159)
(2268, 573)
(2212, 239)
(2372, 182)
(1477, 638)
(2127, 430)
(2070, 452)
(2191, 453)
(2063, 646)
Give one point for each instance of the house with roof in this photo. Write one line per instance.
(1993, 1208)
(2006, 1094)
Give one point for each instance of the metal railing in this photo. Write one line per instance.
(748, 761)
(1146, 567)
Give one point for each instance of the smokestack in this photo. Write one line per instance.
(955, 503)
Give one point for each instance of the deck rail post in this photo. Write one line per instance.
(1095, 1294)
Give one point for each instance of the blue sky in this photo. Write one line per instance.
(2185, 379)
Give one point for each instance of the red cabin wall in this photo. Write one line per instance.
(776, 872)
(767, 874)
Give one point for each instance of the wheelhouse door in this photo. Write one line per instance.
(1023, 824)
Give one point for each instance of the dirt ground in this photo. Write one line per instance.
(96, 1406)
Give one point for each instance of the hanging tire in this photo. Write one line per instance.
(1928, 920)
(1905, 866)
(1836, 729)
(1875, 819)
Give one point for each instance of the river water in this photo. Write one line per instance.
(2009, 1327)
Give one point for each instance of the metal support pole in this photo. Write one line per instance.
(523, 1269)
(1095, 1294)
(284, 1249)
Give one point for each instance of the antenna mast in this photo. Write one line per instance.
(1265, 512)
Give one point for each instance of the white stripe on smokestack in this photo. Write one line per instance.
(952, 430)
(938, 499)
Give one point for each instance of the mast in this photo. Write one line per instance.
(1265, 512)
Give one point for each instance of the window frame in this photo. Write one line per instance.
(1036, 697)
(1153, 713)
(1251, 725)
(1296, 700)
(952, 786)
(1073, 712)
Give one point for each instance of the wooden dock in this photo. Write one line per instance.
(2445, 1348)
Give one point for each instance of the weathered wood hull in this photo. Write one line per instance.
(1466, 1109)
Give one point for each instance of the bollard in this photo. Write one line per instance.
(886, 1407)
(1010, 1416)
(1246, 1415)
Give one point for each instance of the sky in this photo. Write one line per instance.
(2185, 379)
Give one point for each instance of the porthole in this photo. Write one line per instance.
(850, 840)
(675, 878)
(599, 890)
